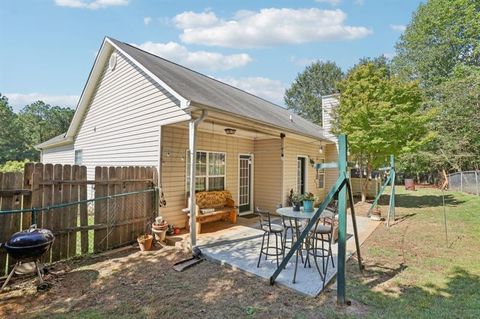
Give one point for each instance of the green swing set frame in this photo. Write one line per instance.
(341, 188)
(390, 180)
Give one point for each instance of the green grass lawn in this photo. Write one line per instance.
(411, 269)
(411, 272)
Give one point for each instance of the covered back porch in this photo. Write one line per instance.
(256, 163)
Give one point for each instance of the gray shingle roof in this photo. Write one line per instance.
(201, 89)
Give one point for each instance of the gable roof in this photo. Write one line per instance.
(192, 88)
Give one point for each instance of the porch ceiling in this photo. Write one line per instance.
(217, 122)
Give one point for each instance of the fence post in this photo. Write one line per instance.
(461, 181)
(476, 181)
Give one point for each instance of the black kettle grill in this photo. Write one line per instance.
(29, 245)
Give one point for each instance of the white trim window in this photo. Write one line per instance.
(320, 178)
(210, 171)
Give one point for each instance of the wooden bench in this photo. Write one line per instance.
(221, 204)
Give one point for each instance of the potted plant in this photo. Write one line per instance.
(159, 229)
(145, 242)
(308, 199)
(296, 200)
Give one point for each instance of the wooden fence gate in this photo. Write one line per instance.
(55, 197)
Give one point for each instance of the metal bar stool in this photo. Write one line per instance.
(268, 230)
(321, 234)
(294, 229)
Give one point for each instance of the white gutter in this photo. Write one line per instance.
(192, 141)
(66, 141)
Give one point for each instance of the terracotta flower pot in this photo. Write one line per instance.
(145, 242)
(159, 235)
(159, 227)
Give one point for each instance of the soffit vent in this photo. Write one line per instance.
(112, 63)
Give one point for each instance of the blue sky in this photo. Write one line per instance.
(48, 46)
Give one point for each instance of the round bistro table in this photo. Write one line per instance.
(295, 216)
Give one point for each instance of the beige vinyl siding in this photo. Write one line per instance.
(293, 149)
(122, 124)
(173, 181)
(268, 174)
(59, 155)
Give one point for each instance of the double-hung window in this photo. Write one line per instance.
(321, 176)
(210, 171)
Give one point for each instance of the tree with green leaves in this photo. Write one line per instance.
(441, 48)
(458, 121)
(12, 141)
(380, 114)
(304, 96)
(41, 122)
(442, 34)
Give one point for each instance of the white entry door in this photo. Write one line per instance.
(245, 184)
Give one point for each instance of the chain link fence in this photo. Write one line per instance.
(467, 182)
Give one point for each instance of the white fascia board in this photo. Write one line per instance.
(88, 90)
(184, 103)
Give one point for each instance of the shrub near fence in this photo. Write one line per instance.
(467, 182)
(55, 197)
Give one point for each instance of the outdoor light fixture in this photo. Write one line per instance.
(320, 150)
(230, 131)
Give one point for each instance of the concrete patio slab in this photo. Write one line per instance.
(239, 247)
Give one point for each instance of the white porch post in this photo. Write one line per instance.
(192, 146)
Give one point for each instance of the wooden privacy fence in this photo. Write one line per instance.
(55, 197)
(373, 186)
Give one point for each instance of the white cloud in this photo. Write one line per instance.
(331, 2)
(195, 59)
(190, 19)
(91, 4)
(359, 2)
(302, 61)
(147, 20)
(271, 90)
(267, 27)
(19, 100)
(398, 27)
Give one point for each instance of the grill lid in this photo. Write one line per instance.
(31, 237)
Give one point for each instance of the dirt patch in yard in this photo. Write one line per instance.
(131, 284)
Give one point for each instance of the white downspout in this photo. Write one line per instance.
(192, 146)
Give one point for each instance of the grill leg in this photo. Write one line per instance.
(9, 276)
(39, 273)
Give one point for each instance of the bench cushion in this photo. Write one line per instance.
(213, 199)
